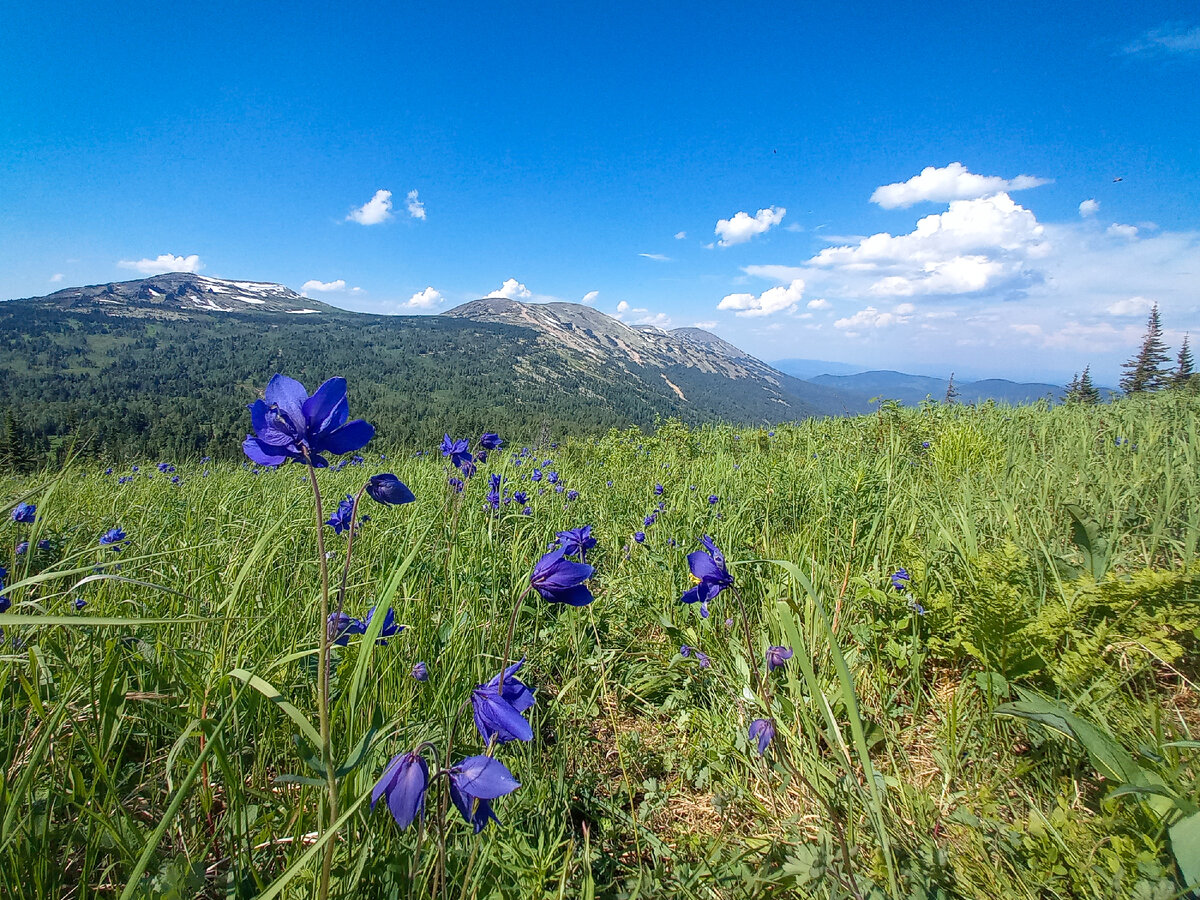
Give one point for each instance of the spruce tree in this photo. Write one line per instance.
(1146, 372)
(1183, 365)
(1088, 393)
(1072, 393)
(951, 391)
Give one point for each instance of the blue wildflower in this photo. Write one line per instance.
(576, 541)
(387, 488)
(113, 539)
(559, 580)
(289, 424)
(387, 630)
(458, 451)
(497, 709)
(342, 516)
(658, 489)
(24, 513)
(404, 783)
(475, 783)
(709, 573)
(340, 626)
(639, 536)
(762, 730)
(777, 656)
(901, 579)
(490, 441)
(420, 672)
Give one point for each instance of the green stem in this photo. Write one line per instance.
(341, 595)
(512, 625)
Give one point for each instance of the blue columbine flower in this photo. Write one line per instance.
(490, 441)
(342, 516)
(289, 424)
(404, 783)
(639, 536)
(685, 651)
(456, 484)
(459, 453)
(762, 730)
(497, 708)
(420, 671)
(552, 477)
(387, 488)
(113, 539)
(650, 520)
(559, 580)
(709, 572)
(475, 783)
(901, 579)
(535, 475)
(341, 626)
(713, 499)
(572, 495)
(777, 656)
(387, 630)
(574, 541)
(25, 513)
(658, 489)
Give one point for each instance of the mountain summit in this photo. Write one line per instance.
(175, 292)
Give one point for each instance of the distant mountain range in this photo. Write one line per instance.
(914, 389)
(167, 364)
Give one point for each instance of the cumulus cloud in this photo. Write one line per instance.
(1088, 208)
(645, 317)
(56, 277)
(1134, 306)
(1166, 39)
(782, 274)
(680, 235)
(657, 257)
(416, 208)
(773, 300)
(512, 290)
(426, 299)
(821, 303)
(375, 211)
(323, 286)
(952, 182)
(163, 264)
(742, 227)
(1123, 231)
(873, 318)
(589, 298)
(707, 326)
(622, 307)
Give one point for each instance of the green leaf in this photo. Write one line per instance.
(269, 691)
(1085, 532)
(1185, 843)
(298, 779)
(356, 756)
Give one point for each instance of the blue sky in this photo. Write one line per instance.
(928, 188)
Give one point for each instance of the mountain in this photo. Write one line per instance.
(166, 365)
(807, 368)
(175, 292)
(914, 389)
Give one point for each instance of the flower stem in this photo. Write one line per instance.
(512, 625)
(759, 685)
(323, 682)
(341, 595)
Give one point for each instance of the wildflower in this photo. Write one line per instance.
(762, 730)
(289, 424)
(572, 495)
(658, 489)
(535, 475)
(916, 607)
(108, 471)
(685, 651)
(713, 499)
(113, 538)
(420, 672)
(497, 709)
(342, 516)
(576, 541)
(650, 520)
(639, 536)
(709, 572)
(520, 497)
(387, 488)
(552, 477)
(43, 544)
(174, 479)
(166, 468)
(389, 628)
(24, 513)
(559, 580)
(490, 441)
(474, 783)
(79, 603)
(702, 658)
(404, 783)
(777, 656)
(135, 468)
(340, 626)
(901, 579)
(456, 484)
(527, 511)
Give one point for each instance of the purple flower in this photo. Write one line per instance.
(777, 656)
(22, 548)
(702, 658)
(79, 603)
(420, 672)
(475, 783)
(388, 629)
(497, 708)
(650, 520)
(341, 626)
(113, 538)
(709, 573)
(901, 579)
(575, 541)
(572, 495)
(289, 424)
(559, 580)
(535, 475)
(762, 730)
(490, 441)
(387, 488)
(342, 516)
(658, 489)
(520, 497)
(404, 783)
(639, 536)
(25, 513)
(713, 499)
(552, 477)
(685, 650)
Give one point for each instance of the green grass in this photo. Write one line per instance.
(152, 744)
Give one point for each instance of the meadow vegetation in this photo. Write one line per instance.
(1014, 715)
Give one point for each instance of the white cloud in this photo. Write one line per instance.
(1167, 39)
(1123, 231)
(1134, 306)
(416, 208)
(376, 210)
(680, 235)
(56, 277)
(707, 326)
(743, 226)
(645, 317)
(782, 274)
(622, 307)
(426, 299)
(589, 298)
(821, 303)
(657, 257)
(953, 182)
(773, 300)
(162, 264)
(323, 286)
(512, 290)
(873, 318)
(1088, 208)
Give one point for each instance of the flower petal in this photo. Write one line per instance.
(350, 437)
(263, 454)
(484, 777)
(320, 407)
(288, 395)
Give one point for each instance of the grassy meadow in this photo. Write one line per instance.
(1020, 719)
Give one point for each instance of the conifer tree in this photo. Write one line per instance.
(1183, 365)
(1088, 393)
(951, 391)
(1072, 392)
(1146, 372)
